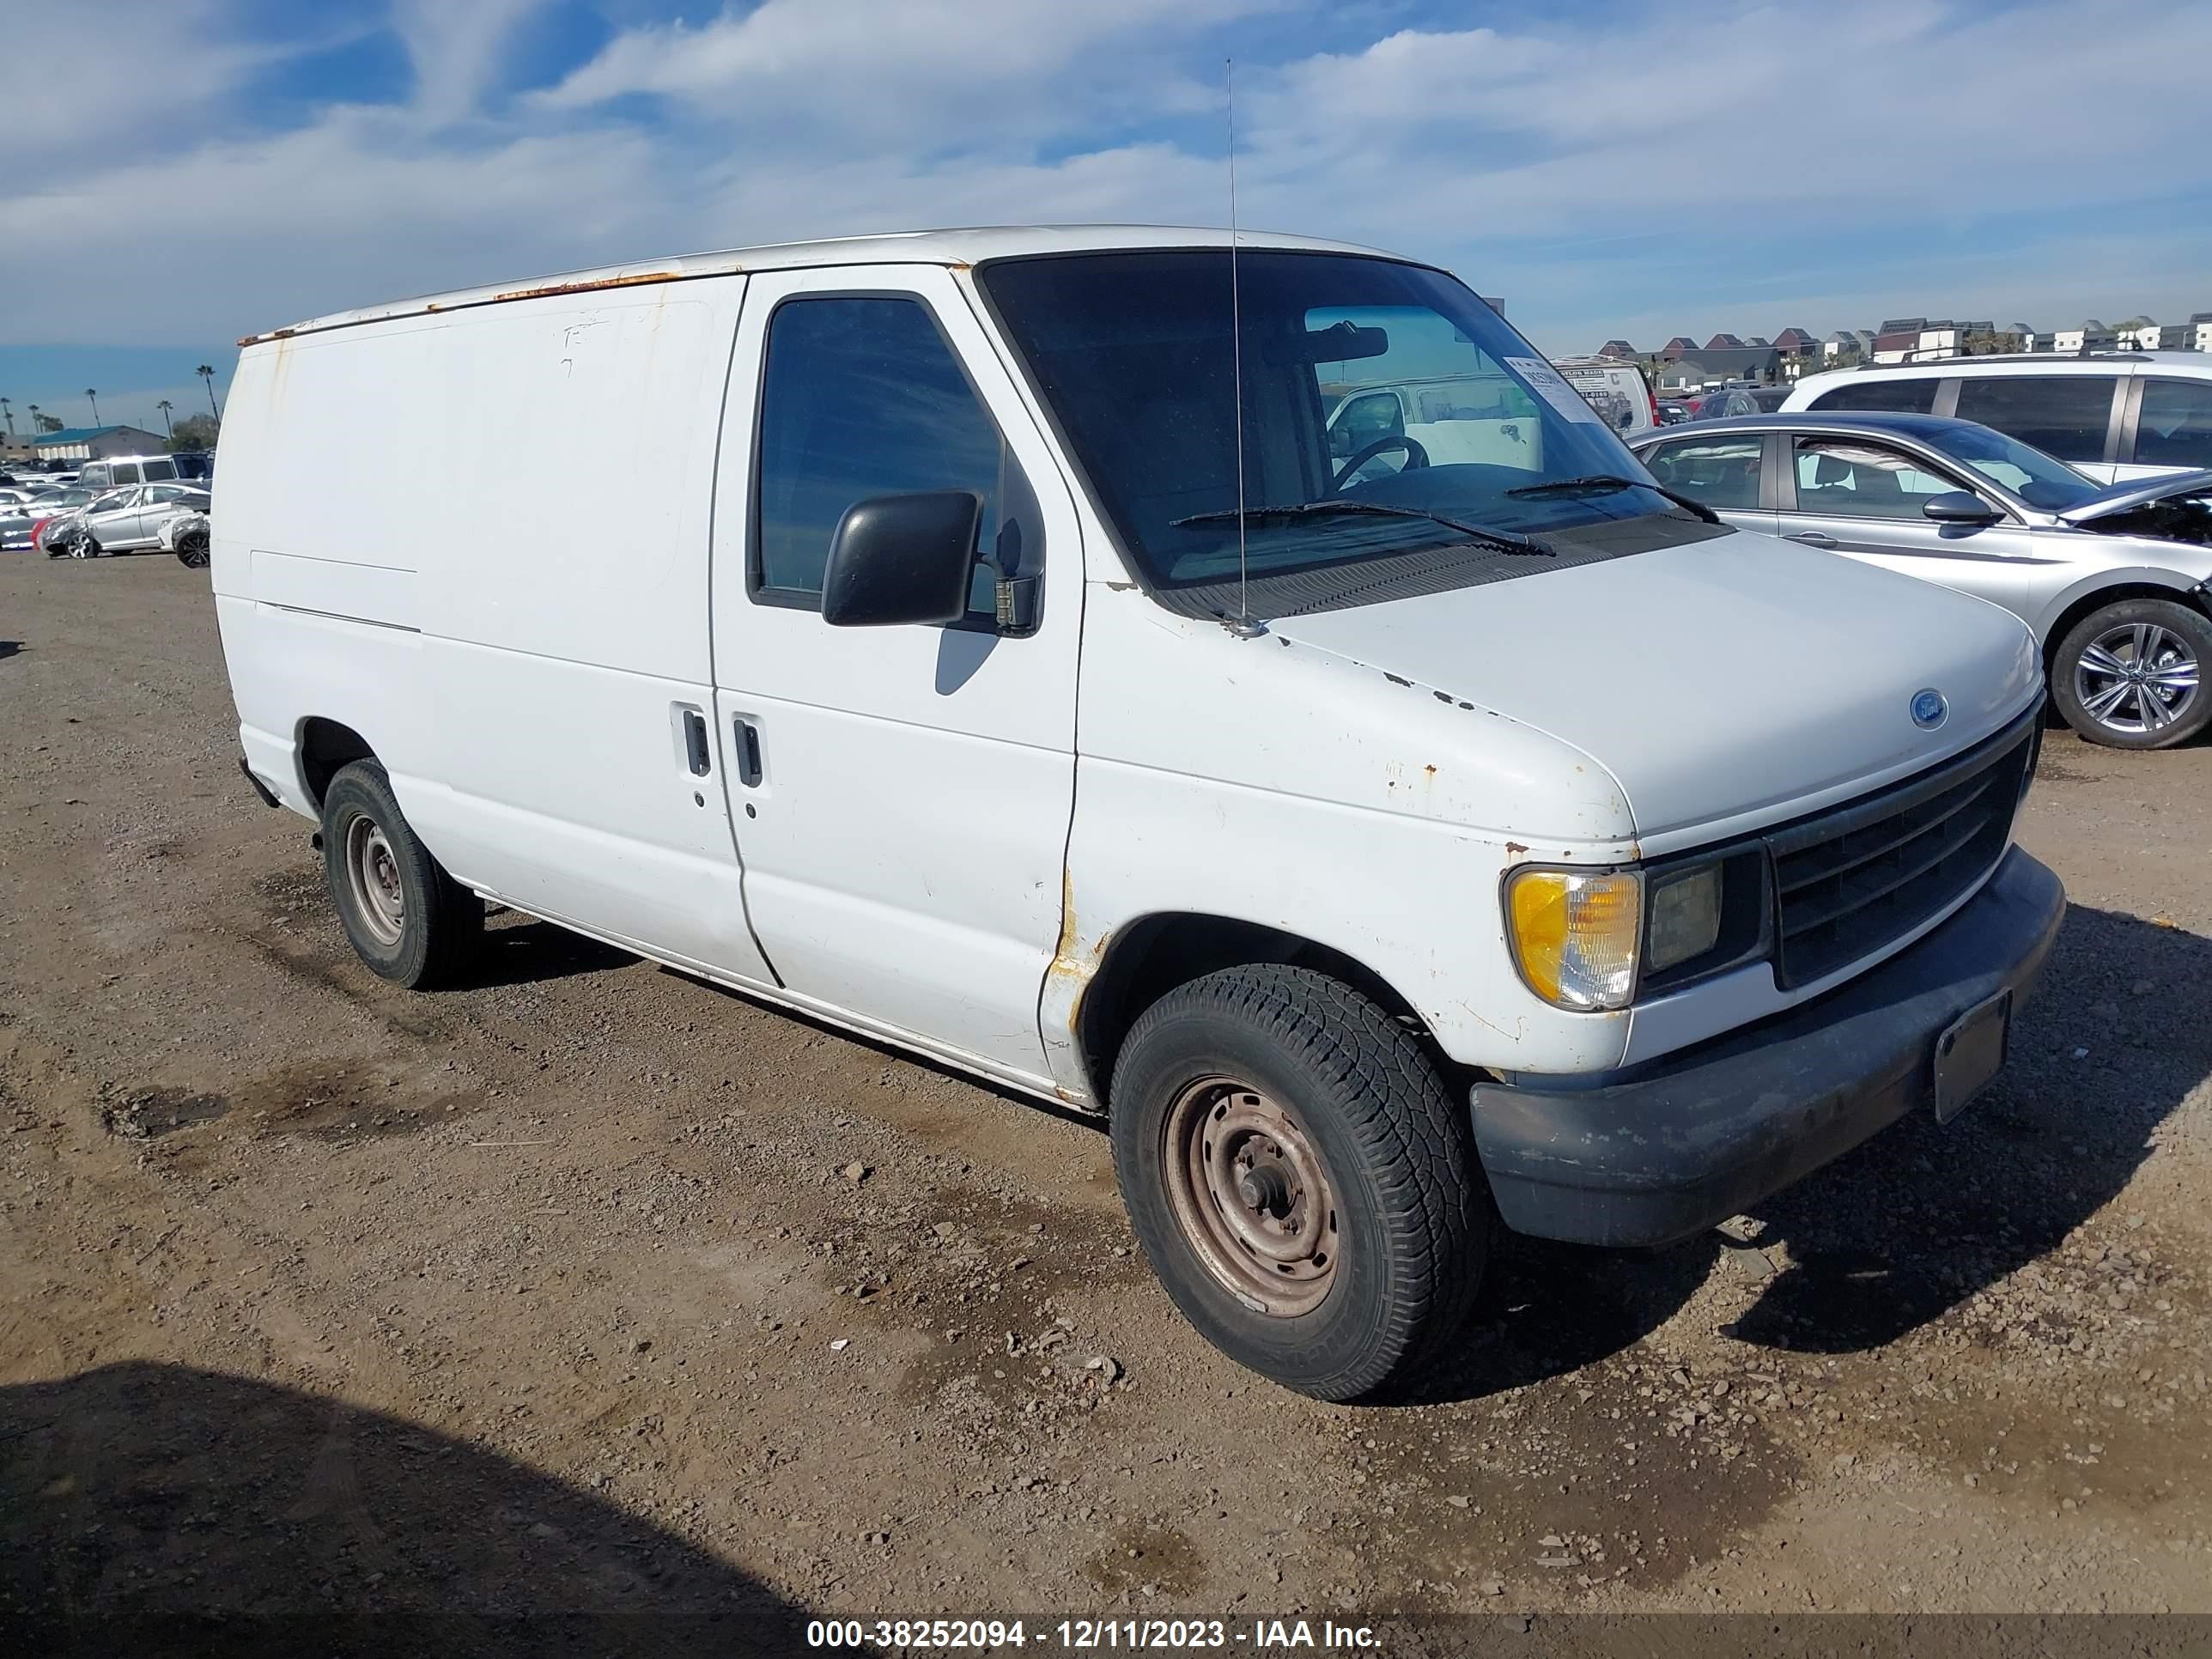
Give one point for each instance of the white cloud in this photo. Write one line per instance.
(1895, 140)
(454, 49)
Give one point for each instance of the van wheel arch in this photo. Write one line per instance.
(325, 746)
(1155, 954)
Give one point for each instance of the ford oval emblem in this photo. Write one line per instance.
(1929, 708)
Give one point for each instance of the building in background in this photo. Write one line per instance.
(1760, 365)
(1619, 351)
(2091, 336)
(2200, 324)
(92, 443)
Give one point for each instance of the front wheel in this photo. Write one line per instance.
(2131, 675)
(406, 918)
(192, 550)
(1299, 1178)
(85, 547)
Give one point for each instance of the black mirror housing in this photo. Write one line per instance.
(1959, 506)
(903, 559)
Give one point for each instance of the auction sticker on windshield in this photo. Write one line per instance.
(1547, 383)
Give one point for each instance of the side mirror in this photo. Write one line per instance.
(1959, 506)
(903, 559)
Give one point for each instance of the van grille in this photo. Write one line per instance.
(1860, 876)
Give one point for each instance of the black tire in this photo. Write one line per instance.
(439, 923)
(2146, 717)
(192, 550)
(84, 547)
(1410, 1223)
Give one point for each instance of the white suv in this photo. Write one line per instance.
(2113, 415)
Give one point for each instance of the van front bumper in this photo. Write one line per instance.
(1693, 1138)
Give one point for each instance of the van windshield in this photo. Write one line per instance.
(1364, 381)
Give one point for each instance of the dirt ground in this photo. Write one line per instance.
(556, 1294)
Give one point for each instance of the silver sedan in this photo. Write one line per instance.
(2113, 579)
(124, 521)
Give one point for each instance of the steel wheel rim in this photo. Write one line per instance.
(378, 898)
(2137, 679)
(1251, 1196)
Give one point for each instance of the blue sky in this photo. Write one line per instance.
(1612, 169)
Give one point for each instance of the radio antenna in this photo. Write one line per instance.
(1244, 627)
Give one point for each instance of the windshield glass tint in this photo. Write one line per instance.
(2037, 478)
(1364, 380)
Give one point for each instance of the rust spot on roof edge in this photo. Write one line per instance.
(586, 288)
(547, 290)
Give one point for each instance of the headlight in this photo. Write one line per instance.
(1574, 935)
(1685, 917)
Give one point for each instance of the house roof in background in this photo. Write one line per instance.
(78, 435)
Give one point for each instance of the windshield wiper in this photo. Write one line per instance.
(1508, 541)
(1614, 480)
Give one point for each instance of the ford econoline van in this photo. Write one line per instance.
(975, 640)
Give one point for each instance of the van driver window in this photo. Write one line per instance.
(862, 396)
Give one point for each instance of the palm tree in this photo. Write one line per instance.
(35, 427)
(95, 396)
(206, 371)
(165, 406)
(10, 414)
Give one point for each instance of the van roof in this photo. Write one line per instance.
(937, 248)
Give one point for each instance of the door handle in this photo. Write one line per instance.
(1814, 539)
(749, 752)
(695, 742)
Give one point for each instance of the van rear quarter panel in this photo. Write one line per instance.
(481, 539)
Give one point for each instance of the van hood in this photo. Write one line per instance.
(1725, 685)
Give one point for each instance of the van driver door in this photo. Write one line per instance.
(901, 795)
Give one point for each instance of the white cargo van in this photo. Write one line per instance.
(888, 630)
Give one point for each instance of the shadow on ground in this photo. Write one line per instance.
(1897, 1232)
(526, 951)
(149, 1507)
(9, 648)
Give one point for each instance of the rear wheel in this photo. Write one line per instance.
(1299, 1177)
(405, 917)
(2131, 675)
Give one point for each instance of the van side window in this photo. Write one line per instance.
(1891, 395)
(862, 396)
(160, 469)
(2175, 424)
(126, 472)
(2062, 415)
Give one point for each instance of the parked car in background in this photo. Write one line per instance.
(186, 535)
(119, 469)
(17, 524)
(197, 464)
(1618, 392)
(125, 520)
(2113, 415)
(1673, 411)
(2112, 578)
(1725, 401)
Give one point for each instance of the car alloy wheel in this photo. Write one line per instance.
(2138, 678)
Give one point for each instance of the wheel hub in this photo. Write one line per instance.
(373, 872)
(1251, 1196)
